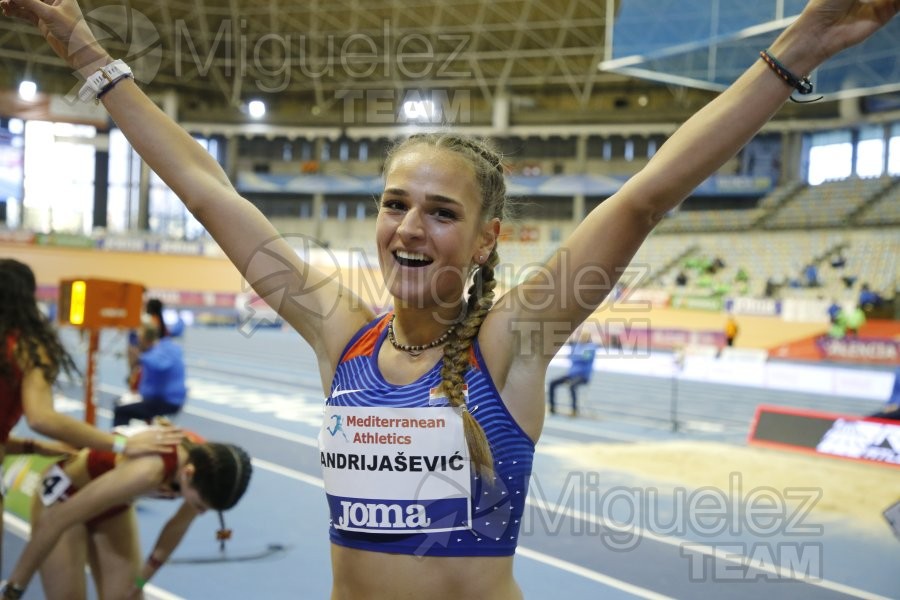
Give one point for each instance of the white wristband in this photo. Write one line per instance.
(102, 79)
(119, 443)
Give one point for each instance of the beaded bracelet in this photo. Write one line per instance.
(803, 85)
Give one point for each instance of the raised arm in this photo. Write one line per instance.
(305, 297)
(577, 279)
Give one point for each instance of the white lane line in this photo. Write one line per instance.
(289, 473)
(249, 425)
(589, 574)
(719, 554)
(22, 530)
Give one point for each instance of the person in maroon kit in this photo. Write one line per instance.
(31, 359)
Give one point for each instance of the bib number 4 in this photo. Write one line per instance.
(54, 485)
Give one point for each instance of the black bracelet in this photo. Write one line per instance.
(803, 85)
(111, 85)
(11, 591)
(28, 446)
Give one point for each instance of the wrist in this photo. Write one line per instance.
(103, 80)
(799, 49)
(154, 563)
(11, 591)
(120, 442)
(88, 60)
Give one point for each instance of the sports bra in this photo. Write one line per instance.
(496, 506)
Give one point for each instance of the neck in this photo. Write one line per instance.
(418, 326)
(420, 341)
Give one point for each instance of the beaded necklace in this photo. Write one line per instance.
(416, 350)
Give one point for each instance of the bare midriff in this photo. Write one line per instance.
(382, 576)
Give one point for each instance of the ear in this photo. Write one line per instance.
(490, 232)
(188, 471)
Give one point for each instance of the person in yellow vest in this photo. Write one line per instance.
(731, 330)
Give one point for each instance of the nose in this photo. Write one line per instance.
(411, 227)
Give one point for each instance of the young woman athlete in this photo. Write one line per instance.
(433, 409)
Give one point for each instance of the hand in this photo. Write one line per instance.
(839, 24)
(134, 593)
(63, 26)
(154, 441)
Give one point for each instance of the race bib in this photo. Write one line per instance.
(54, 485)
(396, 470)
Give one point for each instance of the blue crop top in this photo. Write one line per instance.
(496, 509)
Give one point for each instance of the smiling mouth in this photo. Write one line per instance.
(411, 259)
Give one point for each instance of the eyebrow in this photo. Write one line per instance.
(430, 197)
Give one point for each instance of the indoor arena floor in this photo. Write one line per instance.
(618, 507)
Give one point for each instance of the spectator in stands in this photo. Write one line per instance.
(849, 281)
(834, 311)
(811, 275)
(581, 367)
(869, 299)
(681, 279)
(838, 260)
(162, 390)
(771, 287)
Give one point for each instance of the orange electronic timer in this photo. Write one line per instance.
(98, 303)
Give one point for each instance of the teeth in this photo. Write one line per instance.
(411, 255)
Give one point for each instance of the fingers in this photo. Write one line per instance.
(15, 12)
(168, 437)
(35, 7)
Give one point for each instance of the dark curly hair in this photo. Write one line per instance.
(37, 343)
(222, 473)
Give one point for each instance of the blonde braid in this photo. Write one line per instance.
(489, 173)
(456, 361)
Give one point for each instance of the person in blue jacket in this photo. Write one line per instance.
(891, 408)
(162, 387)
(582, 366)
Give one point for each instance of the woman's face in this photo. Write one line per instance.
(188, 492)
(429, 229)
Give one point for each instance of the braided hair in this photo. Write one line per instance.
(36, 339)
(489, 174)
(222, 473)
